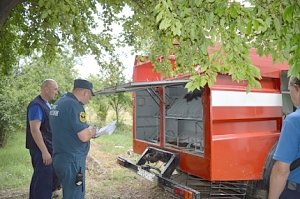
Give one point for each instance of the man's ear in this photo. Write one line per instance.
(87, 92)
(297, 89)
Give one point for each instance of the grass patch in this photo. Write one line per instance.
(121, 175)
(15, 163)
(120, 141)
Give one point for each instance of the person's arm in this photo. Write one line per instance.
(38, 138)
(86, 134)
(278, 179)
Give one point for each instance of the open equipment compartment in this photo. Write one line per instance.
(147, 115)
(184, 119)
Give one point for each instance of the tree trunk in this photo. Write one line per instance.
(5, 8)
(117, 115)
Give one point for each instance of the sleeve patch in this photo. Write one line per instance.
(82, 117)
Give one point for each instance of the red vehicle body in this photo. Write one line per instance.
(224, 134)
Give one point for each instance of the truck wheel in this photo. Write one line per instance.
(268, 168)
(259, 189)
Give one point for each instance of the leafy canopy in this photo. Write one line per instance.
(17, 91)
(110, 77)
(270, 26)
(49, 27)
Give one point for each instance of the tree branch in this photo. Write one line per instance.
(5, 8)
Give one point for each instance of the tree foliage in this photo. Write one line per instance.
(214, 36)
(8, 102)
(115, 76)
(111, 76)
(98, 104)
(16, 91)
(48, 27)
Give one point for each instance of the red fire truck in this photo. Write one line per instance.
(215, 142)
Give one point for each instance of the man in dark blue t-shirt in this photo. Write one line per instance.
(71, 136)
(39, 142)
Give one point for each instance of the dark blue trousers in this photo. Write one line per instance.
(290, 194)
(43, 180)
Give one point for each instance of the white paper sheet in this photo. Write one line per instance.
(108, 129)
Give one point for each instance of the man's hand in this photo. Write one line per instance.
(86, 134)
(47, 159)
(92, 130)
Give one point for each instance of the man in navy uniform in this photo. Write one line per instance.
(39, 142)
(71, 138)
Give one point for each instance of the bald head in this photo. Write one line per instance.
(48, 82)
(49, 89)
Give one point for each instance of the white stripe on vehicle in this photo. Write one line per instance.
(237, 98)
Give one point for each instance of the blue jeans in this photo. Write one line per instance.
(43, 180)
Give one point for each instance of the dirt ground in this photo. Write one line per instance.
(107, 180)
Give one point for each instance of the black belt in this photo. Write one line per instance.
(293, 186)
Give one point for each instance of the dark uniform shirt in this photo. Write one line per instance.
(67, 118)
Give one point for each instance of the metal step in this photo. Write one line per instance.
(158, 166)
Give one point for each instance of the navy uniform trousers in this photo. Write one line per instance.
(39, 187)
(291, 191)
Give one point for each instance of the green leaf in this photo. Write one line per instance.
(193, 33)
(203, 48)
(176, 28)
(164, 24)
(157, 8)
(295, 69)
(277, 25)
(288, 13)
(222, 22)
(233, 12)
(44, 14)
(255, 25)
(261, 25)
(268, 21)
(210, 20)
(249, 28)
(198, 3)
(159, 17)
(41, 3)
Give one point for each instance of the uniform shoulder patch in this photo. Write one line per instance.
(82, 117)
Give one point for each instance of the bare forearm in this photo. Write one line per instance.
(278, 179)
(38, 139)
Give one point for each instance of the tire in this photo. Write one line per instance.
(259, 189)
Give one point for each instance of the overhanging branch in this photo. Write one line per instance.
(5, 8)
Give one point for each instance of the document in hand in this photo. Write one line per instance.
(108, 129)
